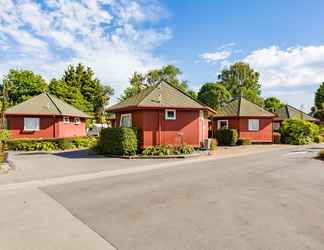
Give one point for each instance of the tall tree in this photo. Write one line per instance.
(170, 73)
(79, 87)
(21, 85)
(213, 95)
(272, 104)
(319, 97)
(241, 80)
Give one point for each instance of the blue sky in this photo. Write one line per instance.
(283, 40)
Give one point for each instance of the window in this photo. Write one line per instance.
(253, 125)
(222, 124)
(126, 120)
(31, 124)
(76, 120)
(276, 126)
(170, 114)
(66, 119)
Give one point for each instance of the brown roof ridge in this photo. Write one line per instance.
(54, 103)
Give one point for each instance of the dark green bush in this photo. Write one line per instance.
(244, 142)
(118, 141)
(321, 155)
(298, 132)
(51, 144)
(226, 137)
(319, 139)
(161, 150)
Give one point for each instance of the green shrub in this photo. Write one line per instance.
(226, 137)
(50, 144)
(4, 134)
(321, 155)
(162, 150)
(276, 138)
(319, 139)
(298, 132)
(118, 141)
(213, 144)
(244, 142)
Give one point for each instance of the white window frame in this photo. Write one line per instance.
(34, 119)
(170, 118)
(129, 116)
(219, 124)
(77, 120)
(251, 125)
(66, 119)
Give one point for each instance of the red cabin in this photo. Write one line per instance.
(45, 116)
(251, 121)
(165, 115)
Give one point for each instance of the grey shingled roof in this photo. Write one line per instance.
(46, 104)
(242, 107)
(288, 111)
(159, 95)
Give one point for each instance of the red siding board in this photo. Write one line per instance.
(157, 130)
(241, 125)
(50, 127)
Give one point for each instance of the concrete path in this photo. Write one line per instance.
(31, 220)
(271, 200)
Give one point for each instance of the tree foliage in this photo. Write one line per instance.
(21, 85)
(319, 97)
(213, 95)
(241, 80)
(79, 87)
(169, 73)
(272, 104)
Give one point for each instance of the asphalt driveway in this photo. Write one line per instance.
(271, 200)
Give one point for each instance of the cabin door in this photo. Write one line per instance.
(201, 126)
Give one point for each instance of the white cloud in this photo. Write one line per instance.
(216, 56)
(292, 67)
(107, 35)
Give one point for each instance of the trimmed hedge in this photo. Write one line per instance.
(161, 150)
(244, 142)
(226, 137)
(118, 141)
(51, 144)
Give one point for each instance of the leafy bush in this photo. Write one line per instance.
(298, 132)
(213, 144)
(244, 142)
(118, 141)
(276, 138)
(50, 144)
(319, 139)
(226, 137)
(162, 150)
(321, 155)
(4, 134)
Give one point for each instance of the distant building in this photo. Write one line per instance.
(251, 121)
(287, 112)
(45, 116)
(165, 115)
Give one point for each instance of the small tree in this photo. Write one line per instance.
(272, 104)
(213, 95)
(319, 97)
(241, 80)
